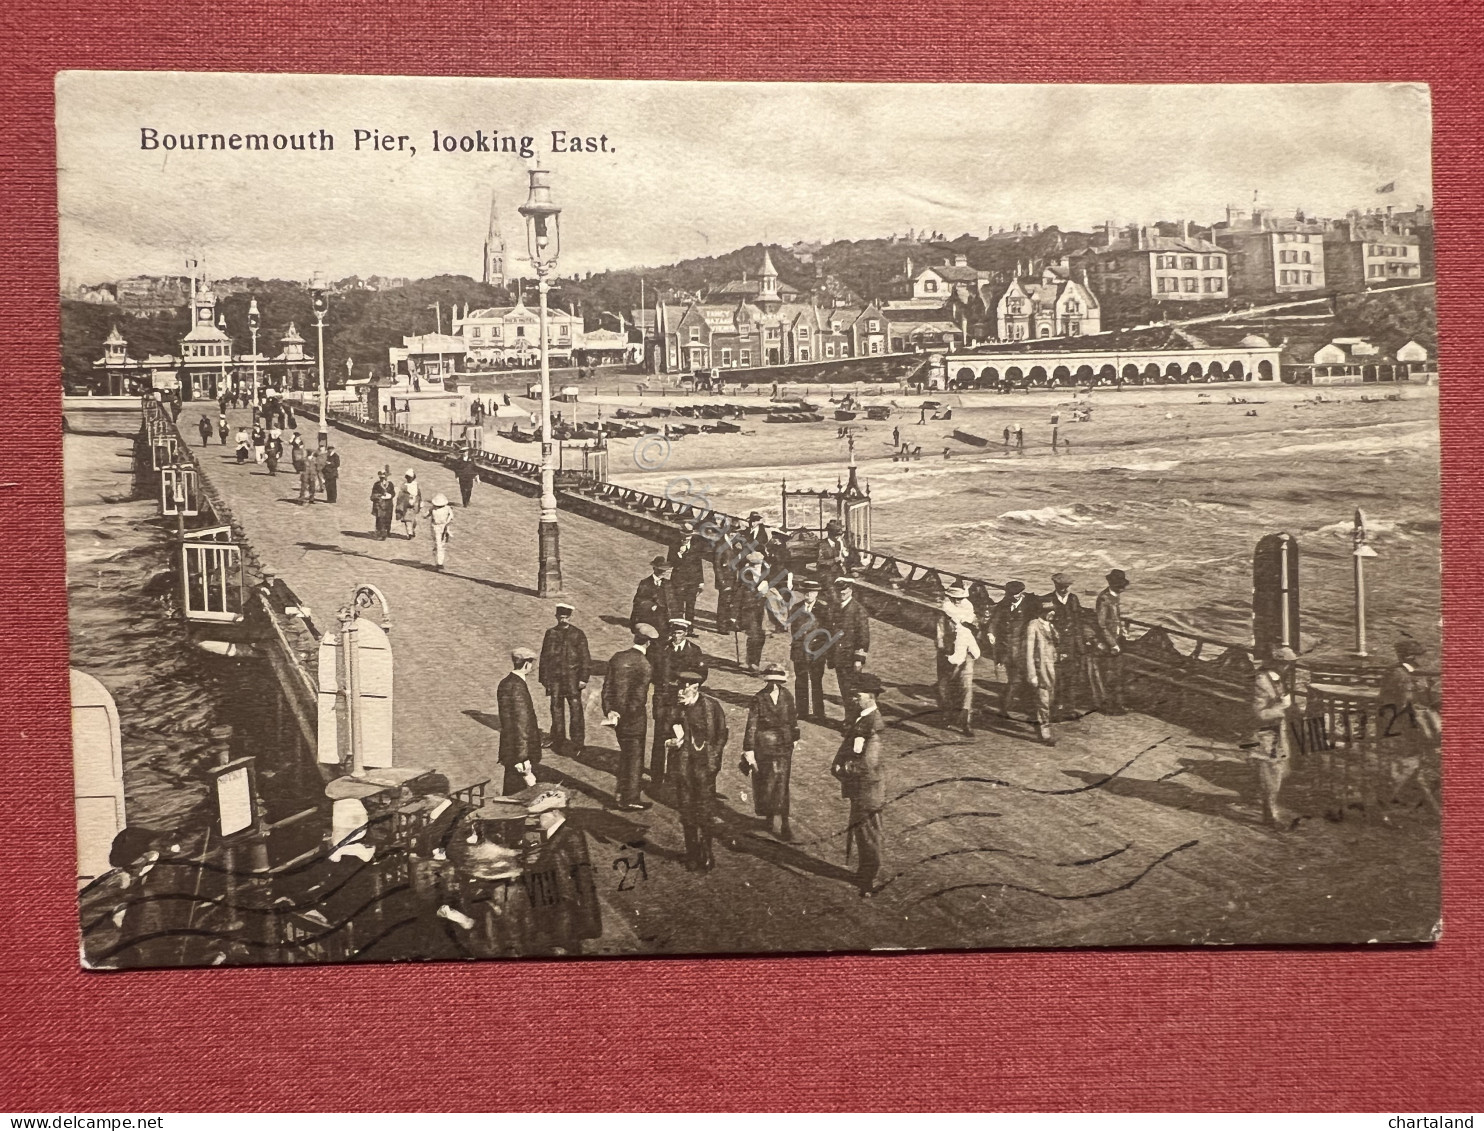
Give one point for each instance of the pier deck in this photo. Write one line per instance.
(1130, 830)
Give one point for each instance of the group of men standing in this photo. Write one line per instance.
(1057, 663)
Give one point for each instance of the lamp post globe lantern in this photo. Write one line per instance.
(253, 321)
(544, 244)
(320, 300)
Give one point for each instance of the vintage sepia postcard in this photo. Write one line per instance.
(524, 518)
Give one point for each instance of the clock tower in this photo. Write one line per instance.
(206, 350)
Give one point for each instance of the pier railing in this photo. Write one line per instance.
(1185, 676)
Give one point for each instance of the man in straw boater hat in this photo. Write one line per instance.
(1270, 747)
(1107, 661)
(957, 649)
(678, 653)
(768, 748)
(564, 671)
(626, 710)
(696, 736)
(653, 598)
(520, 732)
(862, 774)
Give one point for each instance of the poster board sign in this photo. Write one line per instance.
(374, 655)
(234, 790)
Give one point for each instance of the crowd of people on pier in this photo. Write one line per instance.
(1058, 659)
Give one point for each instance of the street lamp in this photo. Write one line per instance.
(1360, 553)
(221, 324)
(321, 302)
(544, 244)
(252, 327)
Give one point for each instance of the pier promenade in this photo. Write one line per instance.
(1130, 830)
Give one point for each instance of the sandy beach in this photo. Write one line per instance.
(1174, 484)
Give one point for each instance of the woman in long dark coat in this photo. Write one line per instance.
(768, 749)
(383, 495)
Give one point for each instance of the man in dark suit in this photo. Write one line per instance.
(725, 567)
(1064, 611)
(686, 578)
(851, 626)
(697, 736)
(1107, 660)
(520, 733)
(626, 709)
(653, 600)
(808, 667)
(678, 654)
(564, 670)
(1007, 638)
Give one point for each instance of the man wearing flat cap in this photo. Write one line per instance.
(808, 666)
(861, 772)
(654, 599)
(520, 733)
(696, 736)
(686, 573)
(1269, 750)
(565, 667)
(678, 653)
(557, 882)
(1064, 612)
(850, 627)
(1107, 661)
(626, 707)
(1409, 725)
(768, 748)
(1007, 638)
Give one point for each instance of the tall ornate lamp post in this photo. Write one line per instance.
(1360, 553)
(321, 302)
(544, 243)
(252, 326)
(221, 324)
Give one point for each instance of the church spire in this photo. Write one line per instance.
(494, 247)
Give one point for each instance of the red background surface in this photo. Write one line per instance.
(1384, 1029)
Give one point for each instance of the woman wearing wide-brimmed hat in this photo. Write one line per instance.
(440, 516)
(409, 503)
(768, 748)
(958, 648)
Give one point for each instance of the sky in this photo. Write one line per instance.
(691, 168)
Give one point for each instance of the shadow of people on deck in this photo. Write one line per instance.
(487, 718)
(1227, 774)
